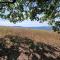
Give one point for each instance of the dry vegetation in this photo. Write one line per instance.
(48, 37)
(28, 44)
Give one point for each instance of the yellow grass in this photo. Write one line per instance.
(48, 37)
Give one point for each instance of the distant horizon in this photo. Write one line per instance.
(49, 28)
(25, 23)
(25, 26)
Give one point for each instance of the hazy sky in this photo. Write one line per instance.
(24, 23)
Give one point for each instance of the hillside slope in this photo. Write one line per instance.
(27, 44)
(48, 37)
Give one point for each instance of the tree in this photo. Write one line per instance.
(29, 9)
(57, 26)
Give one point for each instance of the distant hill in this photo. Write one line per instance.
(49, 28)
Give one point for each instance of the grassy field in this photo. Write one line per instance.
(28, 44)
(47, 37)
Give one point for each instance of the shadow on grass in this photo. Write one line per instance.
(11, 48)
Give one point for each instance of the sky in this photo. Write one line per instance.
(25, 23)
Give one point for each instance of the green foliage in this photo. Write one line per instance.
(57, 23)
(16, 10)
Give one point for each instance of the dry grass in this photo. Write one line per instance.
(48, 37)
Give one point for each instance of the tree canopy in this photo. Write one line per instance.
(30, 9)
